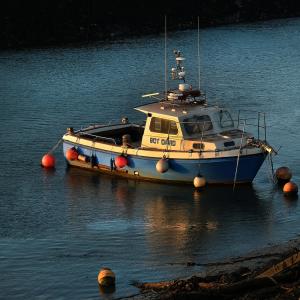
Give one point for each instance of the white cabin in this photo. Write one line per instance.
(191, 126)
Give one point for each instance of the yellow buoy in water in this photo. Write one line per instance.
(199, 182)
(283, 174)
(162, 165)
(106, 277)
(290, 188)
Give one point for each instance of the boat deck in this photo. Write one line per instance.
(115, 135)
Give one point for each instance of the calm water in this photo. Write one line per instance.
(57, 229)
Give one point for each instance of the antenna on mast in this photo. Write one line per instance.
(166, 65)
(178, 72)
(199, 77)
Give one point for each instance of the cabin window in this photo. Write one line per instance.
(197, 124)
(229, 144)
(225, 119)
(163, 126)
(198, 146)
(157, 125)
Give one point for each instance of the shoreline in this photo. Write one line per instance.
(230, 274)
(96, 33)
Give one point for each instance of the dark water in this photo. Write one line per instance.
(57, 229)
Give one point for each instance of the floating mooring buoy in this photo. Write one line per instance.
(48, 161)
(106, 277)
(290, 188)
(283, 174)
(162, 165)
(199, 182)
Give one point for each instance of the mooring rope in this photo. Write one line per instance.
(238, 158)
(55, 146)
(270, 169)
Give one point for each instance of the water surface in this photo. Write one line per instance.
(57, 229)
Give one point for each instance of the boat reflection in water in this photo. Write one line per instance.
(214, 222)
(173, 222)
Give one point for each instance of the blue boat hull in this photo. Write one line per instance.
(219, 170)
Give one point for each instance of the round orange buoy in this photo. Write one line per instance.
(290, 188)
(121, 161)
(162, 165)
(283, 174)
(71, 154)
(48, 161)
(106, 277)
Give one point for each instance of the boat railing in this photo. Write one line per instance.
(258, 122)
(250, 123)
(97, 138)
(97, 126)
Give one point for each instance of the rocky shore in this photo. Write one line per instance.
(58, 22)
(269, 273)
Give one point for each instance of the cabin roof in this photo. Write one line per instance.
(170, 109)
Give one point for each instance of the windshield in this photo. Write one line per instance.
(197, 124)
(225, 119)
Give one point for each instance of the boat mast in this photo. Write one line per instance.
(166, 65)
(199, 77)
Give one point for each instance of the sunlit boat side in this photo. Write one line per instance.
(190, 136)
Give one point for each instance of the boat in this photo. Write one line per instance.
(184, 137)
